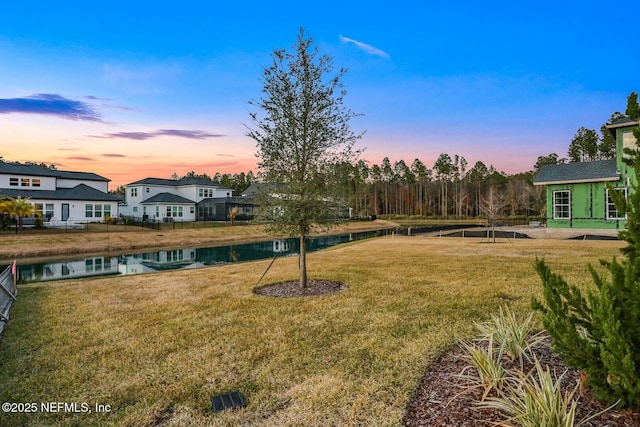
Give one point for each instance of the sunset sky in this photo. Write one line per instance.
(137, 89)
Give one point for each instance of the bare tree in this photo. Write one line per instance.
(492, 207)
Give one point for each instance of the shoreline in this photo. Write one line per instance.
(78, 244)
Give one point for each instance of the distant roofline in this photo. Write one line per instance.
(577, 181)
(36, 170)
(183, 182)
(622, 123)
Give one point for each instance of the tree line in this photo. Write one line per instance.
(447, 189)
(450, 187)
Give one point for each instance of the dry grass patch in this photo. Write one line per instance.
(157, 346)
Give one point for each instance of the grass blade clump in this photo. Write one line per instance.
(514, 339)
(490, 373)
(536, 400)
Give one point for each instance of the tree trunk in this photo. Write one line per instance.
(303, 261)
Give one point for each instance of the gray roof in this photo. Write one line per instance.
(178, 182)
(167, 198)
(79, 192)
(34, 170)
(598, 171)
(623, 122)
(235, 200)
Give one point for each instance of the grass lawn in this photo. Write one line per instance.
(155, 347)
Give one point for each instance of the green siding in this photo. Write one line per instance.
(588, 207)
(588, 200)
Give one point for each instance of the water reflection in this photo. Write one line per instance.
(147, 262)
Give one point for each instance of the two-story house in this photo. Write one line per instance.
(186, 199)
(61, 196)
(578, 194)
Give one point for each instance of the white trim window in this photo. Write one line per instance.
(48, 211)
(562, 204)
(612, 213)
(174, 211)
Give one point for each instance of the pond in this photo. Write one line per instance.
(176, 259)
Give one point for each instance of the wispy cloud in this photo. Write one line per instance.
(86, 159)
(113, 155)
(365, 47)
(192, 134)
(142, 136)
(50, 105)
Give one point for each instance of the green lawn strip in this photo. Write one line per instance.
(159, 345)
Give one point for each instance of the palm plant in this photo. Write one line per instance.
(20, 206)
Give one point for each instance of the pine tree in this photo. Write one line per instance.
(600, 333)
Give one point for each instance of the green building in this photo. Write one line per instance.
(578, 194)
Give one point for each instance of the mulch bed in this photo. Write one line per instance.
(292, 289)
(435, 402)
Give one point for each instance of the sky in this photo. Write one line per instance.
(139, 89)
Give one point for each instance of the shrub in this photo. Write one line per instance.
(600, 333)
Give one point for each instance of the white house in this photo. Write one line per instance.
(158, 199)
(60, 195)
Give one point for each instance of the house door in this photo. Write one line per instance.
(65, 211)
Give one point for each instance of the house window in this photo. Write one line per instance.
(88, 211)
(146, 189)
(38, 210)
(135, 209)
(97, 211)
(134, 192)
(107, 210)
(25, 182)
(13, 182)
(35, 182)
(192, 209)
(629, 142)
(612, 212)
(200, 192)
(48, 211)
(562, 204)
(174, 211)
(157, 211)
